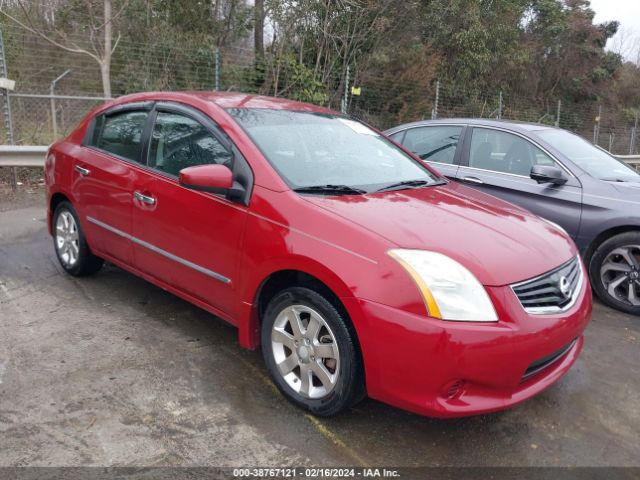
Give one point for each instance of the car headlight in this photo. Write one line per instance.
(450, 291)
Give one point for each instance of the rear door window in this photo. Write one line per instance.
(397, 137)
(121, 134)
(434, 143)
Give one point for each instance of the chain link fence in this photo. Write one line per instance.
(39, 119)
(32, 116)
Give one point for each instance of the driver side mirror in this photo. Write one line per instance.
(211, 178)
(548, 174)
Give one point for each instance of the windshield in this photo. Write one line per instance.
(331, 152)
(595, 162)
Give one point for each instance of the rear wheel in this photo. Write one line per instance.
(71, 247)
(615, 272)
(311, 352)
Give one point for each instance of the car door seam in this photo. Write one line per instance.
(162, 252)
(326, 242)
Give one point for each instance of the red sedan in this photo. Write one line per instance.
(357, 268)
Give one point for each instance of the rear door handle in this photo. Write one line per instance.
(475, 180)
(144, 198)
(82, 171)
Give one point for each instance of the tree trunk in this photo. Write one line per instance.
(105, 74)
(258, 29)
(105, 64)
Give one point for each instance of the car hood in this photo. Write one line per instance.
(497, 241)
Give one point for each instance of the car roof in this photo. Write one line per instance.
(522, 127)
(226, 100)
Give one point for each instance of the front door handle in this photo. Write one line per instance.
(82, 171)
(475, 180)
(144, 198)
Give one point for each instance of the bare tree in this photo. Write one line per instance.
(101, 44)
(258, 28)
(622, 42)
(336, 33)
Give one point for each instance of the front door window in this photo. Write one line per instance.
(505, 152)
(179, 142)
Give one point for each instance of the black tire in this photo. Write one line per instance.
(349, 386)
(607, 252)
(86, 263)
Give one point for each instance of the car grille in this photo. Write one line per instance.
(555, 291)
(547, 361)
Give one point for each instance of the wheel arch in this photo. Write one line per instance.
(299, 272)
(281, 279)
(54, 201)
(604, 236)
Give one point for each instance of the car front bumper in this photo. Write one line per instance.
(450, 369)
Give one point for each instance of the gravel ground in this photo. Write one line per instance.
(30, 188)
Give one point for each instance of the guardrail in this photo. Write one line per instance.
(33, 156)
(22, 155)
(633, 160)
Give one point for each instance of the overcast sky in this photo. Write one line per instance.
(627, 12)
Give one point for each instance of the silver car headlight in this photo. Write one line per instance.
(450, 291)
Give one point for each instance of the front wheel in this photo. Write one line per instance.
(615, 272)
(311, 352)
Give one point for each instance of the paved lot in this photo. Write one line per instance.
(110, 370)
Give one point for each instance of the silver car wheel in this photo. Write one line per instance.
(67, 239)
(305, 351)
(620, 274)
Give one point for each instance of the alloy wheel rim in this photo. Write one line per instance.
(305, 351)
(620, 274)
(67, 239)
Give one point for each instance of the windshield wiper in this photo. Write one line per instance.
(411, 184)
(330, 189)
(613, 180)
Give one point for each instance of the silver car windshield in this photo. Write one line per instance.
(315, 150)
(594, 161)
